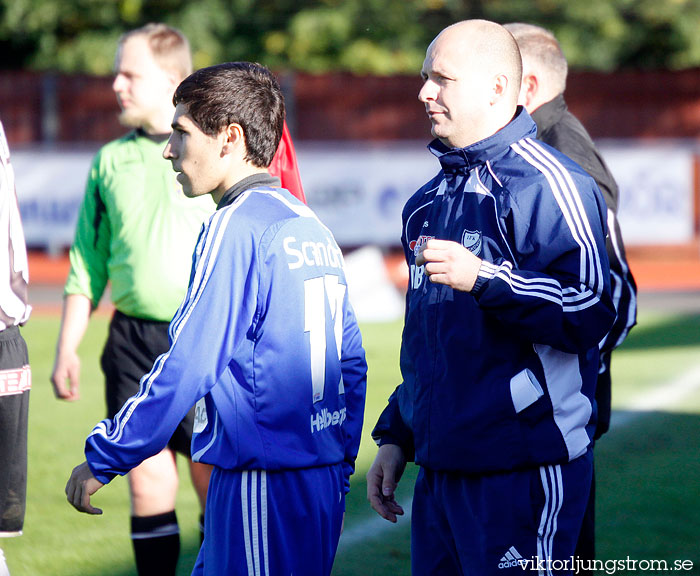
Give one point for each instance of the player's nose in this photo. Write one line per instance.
(168, 150)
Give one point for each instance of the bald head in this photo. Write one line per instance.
(486, 44)
(472, 74)
(544, 64)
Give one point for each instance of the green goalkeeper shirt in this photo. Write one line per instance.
(136, 230)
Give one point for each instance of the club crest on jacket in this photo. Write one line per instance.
(471, 240)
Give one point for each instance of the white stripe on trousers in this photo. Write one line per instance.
(553, 498)
(254, 513)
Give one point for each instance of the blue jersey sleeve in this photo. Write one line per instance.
(212, 320)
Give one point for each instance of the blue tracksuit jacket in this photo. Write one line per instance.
(503, 377)
(265, 342)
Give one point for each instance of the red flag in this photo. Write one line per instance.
(284, 165)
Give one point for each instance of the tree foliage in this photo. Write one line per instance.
(360, 36)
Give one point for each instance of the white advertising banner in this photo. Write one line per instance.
(50, 187)
(359, 190)
(657, 204)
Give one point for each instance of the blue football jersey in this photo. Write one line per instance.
(265, 343)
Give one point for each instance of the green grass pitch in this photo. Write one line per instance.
(648, 466)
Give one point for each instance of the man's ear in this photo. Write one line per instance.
(500, 87)
(233, 138)
(173, 81)
(529, 91)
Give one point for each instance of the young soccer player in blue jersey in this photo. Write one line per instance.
(136, 232)
(265, 342)
(508, 298)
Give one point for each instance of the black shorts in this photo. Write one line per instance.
(130, 352)
(15, 382)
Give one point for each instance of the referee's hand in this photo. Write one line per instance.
(81, 485)
(66, 376)
(383, 478)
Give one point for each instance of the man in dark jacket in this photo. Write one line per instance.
(542, 94)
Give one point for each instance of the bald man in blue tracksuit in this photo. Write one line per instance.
(508, 297)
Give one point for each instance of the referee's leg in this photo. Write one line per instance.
(154, 529)
(131, 349)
